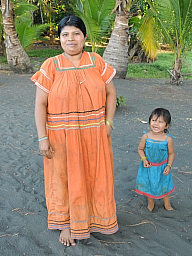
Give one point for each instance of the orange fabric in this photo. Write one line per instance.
(79, 179)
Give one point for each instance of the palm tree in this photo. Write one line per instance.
(172, 19)
(26, 30)
(17, 58)
(96, 16)
(116, 52)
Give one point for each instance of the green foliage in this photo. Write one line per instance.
(3, 60)
(121, 101)
(24, 7)
(158, 69)
(96, 15)
(27, 32)
(174, 20)
(149, 35)
(44, 53)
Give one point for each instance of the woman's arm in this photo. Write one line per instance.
(40, 120)
(171, 156)
(110, 105)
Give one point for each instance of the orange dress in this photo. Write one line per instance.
(79, 179)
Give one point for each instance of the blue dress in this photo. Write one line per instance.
(151, 182)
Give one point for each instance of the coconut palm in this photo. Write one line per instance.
(17, 58)
(172, 19)
(96, 16)
(27, 32)
(116, 52)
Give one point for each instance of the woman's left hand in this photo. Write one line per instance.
(108, 129)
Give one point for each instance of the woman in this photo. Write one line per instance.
(74, 110)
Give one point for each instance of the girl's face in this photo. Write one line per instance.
(158, 125)
(72, 40)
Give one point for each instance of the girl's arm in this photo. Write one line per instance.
(40, 120)
(141, 151)
(171, 156)
(110, 106)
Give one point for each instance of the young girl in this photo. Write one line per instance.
(157, 154)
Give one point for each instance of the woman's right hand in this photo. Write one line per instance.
(46, 149)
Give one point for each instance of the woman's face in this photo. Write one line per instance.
(72, 40)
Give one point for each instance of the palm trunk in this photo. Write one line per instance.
(175, 73)
(116, 52)
(17, 58)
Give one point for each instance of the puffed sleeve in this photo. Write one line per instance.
(44, 78)
(107, 72)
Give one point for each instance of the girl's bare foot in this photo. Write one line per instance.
(150, 204)
(65, 238)
(167, 204)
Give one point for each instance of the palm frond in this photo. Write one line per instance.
(149, 36)
(24, 18)
(23, 7)
(91, 26)
(136, 21)
(104, 14)
(28, 34)
(92, 8)
(106, 8)
(96, 16)
(79, 6)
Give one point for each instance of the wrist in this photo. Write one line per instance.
(143, 158)
(170, 166)
(109, 122)
(43, 138)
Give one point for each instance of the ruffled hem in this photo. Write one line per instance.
(152, 196)
(87, 235)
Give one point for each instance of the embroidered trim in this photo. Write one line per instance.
(84, 120)
(104, 69)
(111, 77)
(58, 213)
(74, 125)
(51, 117)
(60, 69)
(40, 86)
(76, 128)
(45, 74)
(77, 112)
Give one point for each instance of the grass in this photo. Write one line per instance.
(3, 60)
(43, 53)
(158, 69)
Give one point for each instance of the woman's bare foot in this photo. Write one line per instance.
(167, 204)
(150, 204)
(65, 238)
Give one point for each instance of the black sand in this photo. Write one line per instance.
(23, 214)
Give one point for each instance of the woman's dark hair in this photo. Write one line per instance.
(72, 21)
(161, 112)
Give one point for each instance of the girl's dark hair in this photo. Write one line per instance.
(161, 112)
(72, 21)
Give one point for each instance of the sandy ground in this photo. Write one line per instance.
(23, 214)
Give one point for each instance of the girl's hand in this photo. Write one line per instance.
(46, 149)
(108, 129)
(146, 164)
(167, 170)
